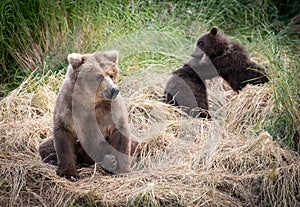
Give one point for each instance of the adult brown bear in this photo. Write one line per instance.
(90, 118)
(215, 54)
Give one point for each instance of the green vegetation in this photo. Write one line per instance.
(245, 168)
(37, 36)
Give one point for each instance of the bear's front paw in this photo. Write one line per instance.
(71, 176)
(121, 175)
(110, 163)
(73, 179)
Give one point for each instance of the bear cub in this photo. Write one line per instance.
(215, 55)
(90, 118)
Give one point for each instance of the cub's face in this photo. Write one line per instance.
(95, 75)
(212, 44)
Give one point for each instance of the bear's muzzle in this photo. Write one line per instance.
(114, 92)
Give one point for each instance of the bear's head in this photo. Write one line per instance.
(94, 75)
(213, 44)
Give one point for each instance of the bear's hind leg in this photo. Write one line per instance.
(65, 149)
(202, 101)
(47, 151)
(169, 99)
(83, 159)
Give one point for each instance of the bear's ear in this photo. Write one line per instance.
(214, 31)
(75, 59)
(112, 55)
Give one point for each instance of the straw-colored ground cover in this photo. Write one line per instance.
(227, 161)
(245, 156)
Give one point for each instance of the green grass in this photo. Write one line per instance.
(38, 35)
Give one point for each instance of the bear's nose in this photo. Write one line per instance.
(114, 92)
(198, 53)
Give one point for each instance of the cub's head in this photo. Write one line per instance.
(94, 74)
(213, 44)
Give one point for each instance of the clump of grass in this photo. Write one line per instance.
(257, 101)
(32, 98)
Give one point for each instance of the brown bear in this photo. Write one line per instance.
(215, 54)
(90, 118)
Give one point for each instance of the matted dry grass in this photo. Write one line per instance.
(184, 161)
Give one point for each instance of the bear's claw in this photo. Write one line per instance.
(73, 179)
(110, 163)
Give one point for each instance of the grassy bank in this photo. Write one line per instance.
(255, 138)
(37, 35)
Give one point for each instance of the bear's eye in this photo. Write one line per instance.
(200, 43)
(111, 76)
(82, 60)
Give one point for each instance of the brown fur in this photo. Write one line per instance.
(186, 89)
(231, 60)
(215, 54)
(89, 114)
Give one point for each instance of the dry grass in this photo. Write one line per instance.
(184, 161)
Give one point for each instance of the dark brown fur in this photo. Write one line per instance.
(186, 89)
(231, 60)
(215, 54)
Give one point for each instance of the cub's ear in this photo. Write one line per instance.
(75, 59)
(214, 31)
(112, 55)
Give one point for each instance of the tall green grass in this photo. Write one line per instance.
(283, 68)
(284, 122)
(38, 35)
